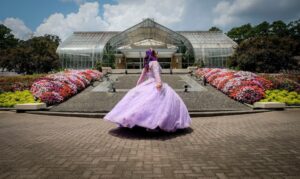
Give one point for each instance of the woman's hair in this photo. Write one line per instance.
(154, 54)
(151, 55)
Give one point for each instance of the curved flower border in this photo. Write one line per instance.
(243, 86)
(58, 87)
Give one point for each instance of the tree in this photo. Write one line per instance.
(215, 29)
(262, 29)
(98, 66)
(7, 39)
(43, 53)
(20, 60)
(265, 54)
(294, 32)
(294, 29)
(279, 28)
(241, 33)
(36, 55)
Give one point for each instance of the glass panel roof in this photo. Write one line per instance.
(88, 42)
(149, 33)
(147, 43)
(148, 29)
(202, 41)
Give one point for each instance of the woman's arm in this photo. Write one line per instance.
(142, 77)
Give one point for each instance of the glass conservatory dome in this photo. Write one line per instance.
(83, 49)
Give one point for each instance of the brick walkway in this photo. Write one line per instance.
(265, 145)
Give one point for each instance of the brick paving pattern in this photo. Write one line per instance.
(263, 145)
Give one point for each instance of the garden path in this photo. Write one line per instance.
(97, 98)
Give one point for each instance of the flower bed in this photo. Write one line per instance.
(242, 86)
(58, 87)
(290, 98)
(9, 99)
(17, 83)
(287, 82)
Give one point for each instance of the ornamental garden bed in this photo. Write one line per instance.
(10, 99)
(17, 83)
(51, 89)
(248, 87)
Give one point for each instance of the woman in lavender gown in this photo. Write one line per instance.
(151, 104)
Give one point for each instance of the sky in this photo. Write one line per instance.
(27, 18)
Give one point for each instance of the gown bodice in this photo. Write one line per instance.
(154, 70)
(153, 73)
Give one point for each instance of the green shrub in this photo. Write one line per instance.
(98, 66)
(9, 99)
(290, 98)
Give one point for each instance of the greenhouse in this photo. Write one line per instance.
(126, 49)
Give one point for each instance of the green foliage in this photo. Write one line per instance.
(264, 29)
(215, 29)
(266, 47)
(279, 28)
(241, 33)
(10, 99)
(265, 54)
(294, 29)
(43, 54)
(98, 66)
(7, 39)
(109, 60)
(290, 98)
(36, 55)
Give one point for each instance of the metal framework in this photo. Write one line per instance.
(213, 48)
(83, 49)
(148, 29)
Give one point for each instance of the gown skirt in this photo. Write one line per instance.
(148, 107)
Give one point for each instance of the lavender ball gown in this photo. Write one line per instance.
(148, 107)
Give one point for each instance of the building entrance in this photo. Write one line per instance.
(137, 63)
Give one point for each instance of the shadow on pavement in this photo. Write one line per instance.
(141, 133)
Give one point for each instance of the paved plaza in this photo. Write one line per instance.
(262, 145)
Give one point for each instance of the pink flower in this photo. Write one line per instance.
(242, 86)
(56, 88)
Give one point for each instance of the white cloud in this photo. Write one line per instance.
(19, 29)
(115, 17)
(228, 12)
(234, 12)
(86, 19)
(129, 12)
(175, 14)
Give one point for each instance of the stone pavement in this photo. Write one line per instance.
(263, 145)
